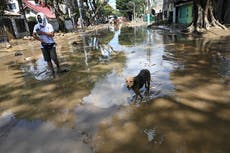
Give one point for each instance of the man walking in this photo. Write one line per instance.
(44, 32)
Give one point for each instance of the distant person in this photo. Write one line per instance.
(44, 32)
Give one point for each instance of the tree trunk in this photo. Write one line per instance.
(226, 15)
(203, 17)
(59, 15)
(219, 14)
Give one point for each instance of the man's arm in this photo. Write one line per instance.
(36, 28)
(36, 37)
(49, 34)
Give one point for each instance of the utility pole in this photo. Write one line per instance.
(80, 12)
(148, 12)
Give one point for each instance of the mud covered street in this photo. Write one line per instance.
(88, 109)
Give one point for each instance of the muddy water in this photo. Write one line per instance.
(88, 109)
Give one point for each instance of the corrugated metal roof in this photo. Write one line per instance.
(39, 8)
(8, 13)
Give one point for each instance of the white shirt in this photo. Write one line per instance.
(47, 28)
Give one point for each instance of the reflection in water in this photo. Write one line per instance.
(37, 69)
(106, 52)
(85, 52)
(108, 92)
(21, 135)
(87, 108)
(6, 118)
(153, 136)
(150, 134)
(192, 79)
(36, 133)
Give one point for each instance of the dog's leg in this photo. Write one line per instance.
(141, 98)
(135, 98)
(148, 85)
(137, 92)
(148, 82)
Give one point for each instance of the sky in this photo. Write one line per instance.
(112, 3)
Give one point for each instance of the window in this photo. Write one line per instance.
(20, 25)
(11, 6)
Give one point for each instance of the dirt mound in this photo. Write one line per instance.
(216, 32)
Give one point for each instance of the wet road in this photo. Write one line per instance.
(89, 108)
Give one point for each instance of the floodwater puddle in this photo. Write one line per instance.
(90, 109)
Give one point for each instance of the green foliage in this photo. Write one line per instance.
(122, 6)
(32, 18)
(140, 6)
(126, 6)
(108, 10)
(134, 37)
(107, 37)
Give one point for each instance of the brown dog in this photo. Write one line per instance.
(137, 82)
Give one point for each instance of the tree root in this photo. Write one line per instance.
(203, 19)
(188, 29)
(217, 24)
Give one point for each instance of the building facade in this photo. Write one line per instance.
(184, 12)
(13, 23)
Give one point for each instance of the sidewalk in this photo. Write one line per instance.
(177, 29)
